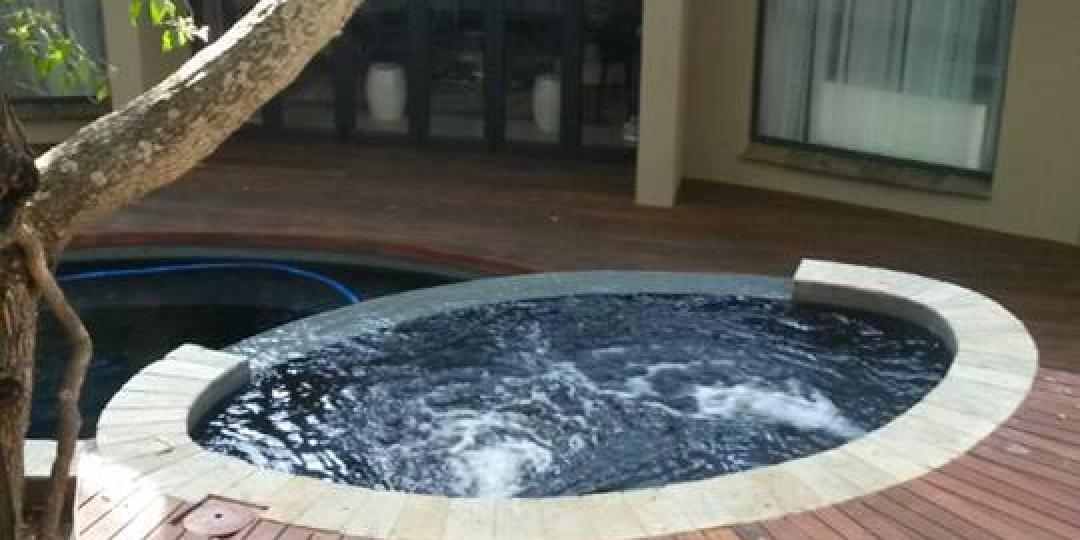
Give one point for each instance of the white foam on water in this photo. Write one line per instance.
(497, 471)
(806, 410)
(491, 452)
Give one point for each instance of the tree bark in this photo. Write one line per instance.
(69, 418)
(18, 308)
(123, 156)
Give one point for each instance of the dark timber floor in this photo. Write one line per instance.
(543, 214)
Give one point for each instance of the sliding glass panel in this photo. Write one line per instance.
(382, 39)
(611, 72)
(459, 37)
(534, 82)
(917, 80)
(308, 104)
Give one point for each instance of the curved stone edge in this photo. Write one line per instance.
(143, 441)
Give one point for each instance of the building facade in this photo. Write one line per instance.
(958, 110)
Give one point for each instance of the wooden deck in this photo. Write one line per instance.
(1022, 482)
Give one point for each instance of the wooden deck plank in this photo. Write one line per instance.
(141, 526)
(1060, 493)
(1065, 396)
(998, 524)
(1040, 405)
(1048, 432)
(293, 532)
(1001, 503)
(1035, 462)
(1060, 377)
(144, 501)
(1014, 436)
(720, 534)
(911, 520)
(753, 531)
(1061, 421)
(1064, 509)
(881, 526)
(689, 536)
(841, 523)
(953, 522)
(785, 529)
(170, 529)
(265, 530)
(814, 527)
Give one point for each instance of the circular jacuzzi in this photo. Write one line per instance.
(605, 383)
(689, 401)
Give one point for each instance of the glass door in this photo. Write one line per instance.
(538, 73)
(533, 85)
(460, 66)
(378, 85)
(610, 77)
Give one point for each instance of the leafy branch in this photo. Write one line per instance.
(38, 43)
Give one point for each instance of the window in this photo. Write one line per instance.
(83, 19)
(914, 80)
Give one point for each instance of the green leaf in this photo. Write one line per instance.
(167, 42)
(161, 11)
(135, 9)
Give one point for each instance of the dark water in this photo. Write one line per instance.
(580, 395)
(135, 320)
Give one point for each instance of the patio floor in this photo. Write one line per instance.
(545, 214)
(1022, 482)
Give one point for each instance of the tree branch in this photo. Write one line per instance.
(19, 177)
(162, 134)
(9, 523)
(69, 418)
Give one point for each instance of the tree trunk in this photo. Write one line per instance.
(121, 157)
(19, 307)
(69, 418)
(19, 180)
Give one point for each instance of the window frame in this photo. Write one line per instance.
(756, 136)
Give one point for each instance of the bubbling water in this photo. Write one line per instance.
(579, 395)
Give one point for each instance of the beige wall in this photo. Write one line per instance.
(134, 53)
(1036, 189)
(664, 57)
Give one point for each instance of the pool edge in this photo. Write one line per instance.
(144, 441)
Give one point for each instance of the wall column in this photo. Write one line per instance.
(663, 77)
(134, 54)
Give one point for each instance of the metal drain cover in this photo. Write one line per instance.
(218, 519)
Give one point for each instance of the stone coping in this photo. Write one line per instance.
(143, 442)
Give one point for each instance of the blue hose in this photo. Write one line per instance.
(346, 293)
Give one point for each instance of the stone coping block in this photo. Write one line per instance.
(143, 440)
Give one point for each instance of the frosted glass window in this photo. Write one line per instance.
(917, 80)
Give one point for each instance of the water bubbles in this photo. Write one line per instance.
(578, 395)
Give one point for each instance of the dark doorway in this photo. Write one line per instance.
(556, 74)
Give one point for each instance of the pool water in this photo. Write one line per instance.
(579, 394)
(137, 311)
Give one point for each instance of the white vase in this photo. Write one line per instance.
(386, 91)
(547, 103)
